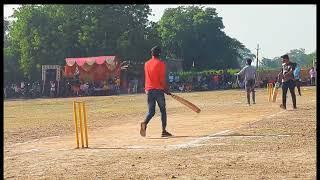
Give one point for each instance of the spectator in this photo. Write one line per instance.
(177, 78)
(171, 77)
(52, 89)
(135, 85)
(91, 89)
(312, 74)
(181, 87)
(130, 86)
(296, 75)
(117, 85)
(106, 87)
(5, 91)
(216, 81)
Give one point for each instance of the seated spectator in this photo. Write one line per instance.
(91, 88)
(177, 78)
(81, 93)
(85, 88)
(171, 77)
(181, 87)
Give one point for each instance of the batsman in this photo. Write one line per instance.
(287, 77)
(249, 73)
(155, 87)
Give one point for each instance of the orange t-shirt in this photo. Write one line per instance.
(155, 74)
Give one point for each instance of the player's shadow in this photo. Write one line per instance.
(172, 137)
(112, 148)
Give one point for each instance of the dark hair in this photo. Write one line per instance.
(294, 65)
(155, 51)
(248, 61)
(285, 56)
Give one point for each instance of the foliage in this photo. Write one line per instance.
(47, 34)
(195, 34)
(296, 55)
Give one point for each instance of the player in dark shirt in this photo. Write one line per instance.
(287, 81)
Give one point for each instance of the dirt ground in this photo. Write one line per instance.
(227, 140)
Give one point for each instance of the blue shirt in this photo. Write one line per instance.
(296, 72)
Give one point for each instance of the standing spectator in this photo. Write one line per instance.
(130, 86)
(106, 88)
(118, 85)
(216, 81)
(5, 91)
(312, 73)
(135, 85)
(199, 78)
(52, 89)
(16, 90)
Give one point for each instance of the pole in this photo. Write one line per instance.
(257, 56)
(257, 66)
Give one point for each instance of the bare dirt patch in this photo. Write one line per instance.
(227, 140)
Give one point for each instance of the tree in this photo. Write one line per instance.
(11, 66)
(47, 34)
(274, 63)
(310, 59)
(295, 55)
(244, 54)
(195, 34)
(299, 56)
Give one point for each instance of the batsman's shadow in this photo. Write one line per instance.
(113, 148)
(172, 137)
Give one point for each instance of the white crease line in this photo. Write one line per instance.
(196, 142)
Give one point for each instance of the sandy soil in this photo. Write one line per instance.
(227, 140)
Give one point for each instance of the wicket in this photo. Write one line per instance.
(80, 104)
(270, 91)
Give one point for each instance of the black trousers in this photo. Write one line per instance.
(290, 84)
(154, 96)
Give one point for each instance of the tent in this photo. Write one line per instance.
(93, 68)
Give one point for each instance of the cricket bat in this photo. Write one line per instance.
(275, 92)
(186, 103)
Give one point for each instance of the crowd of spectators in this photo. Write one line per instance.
(66, 88)
(177, 83)
(202, 81)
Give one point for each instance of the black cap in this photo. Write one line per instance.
(155, 51)
(285, 56)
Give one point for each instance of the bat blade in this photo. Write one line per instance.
(186, 103)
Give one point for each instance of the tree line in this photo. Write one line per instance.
(47, 34)
(296, 55)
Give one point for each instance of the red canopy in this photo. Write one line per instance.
(95, 68)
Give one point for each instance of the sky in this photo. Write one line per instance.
(276, 28)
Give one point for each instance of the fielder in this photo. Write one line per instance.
(249, 73)
(155, 87)
(296, 75)
(287, 81)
